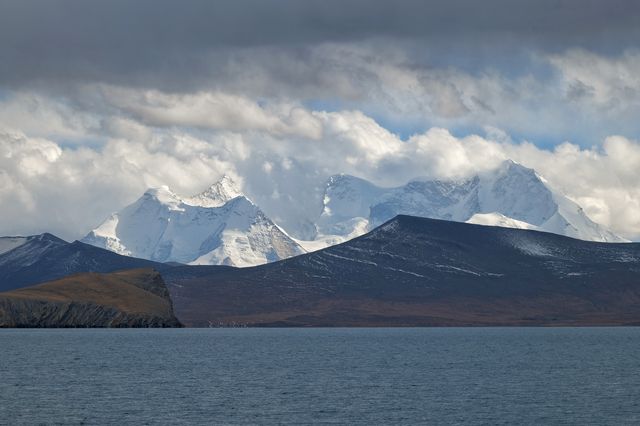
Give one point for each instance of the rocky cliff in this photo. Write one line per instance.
(135, 298)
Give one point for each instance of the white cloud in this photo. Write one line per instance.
(47, 186)
(607, 82)
(76, 158)
(40, 115)
(574, 94)
(44, 187)
(211, 110)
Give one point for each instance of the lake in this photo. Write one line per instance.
(444, 376)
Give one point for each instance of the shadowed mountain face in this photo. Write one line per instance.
(40, 258)
(417, 272)
(135, 298)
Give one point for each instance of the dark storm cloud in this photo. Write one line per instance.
(159, 42)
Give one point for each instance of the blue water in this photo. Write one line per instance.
(440, 376)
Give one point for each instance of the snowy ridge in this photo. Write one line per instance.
(510, 196)
(216, 195)
(497, 219)
(218, 226)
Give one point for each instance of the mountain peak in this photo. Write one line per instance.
(47, 237)
(510, 195)
(162, 195)
(218, 194)
(160, 192)
(511, 166)
(347, 196)
(337, 178)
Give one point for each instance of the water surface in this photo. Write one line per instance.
(442, 376)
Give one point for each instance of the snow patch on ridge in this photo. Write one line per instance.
(497, 219)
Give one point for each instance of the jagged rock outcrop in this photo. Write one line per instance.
(135, 298)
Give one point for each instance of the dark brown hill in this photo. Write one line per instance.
(423, 272)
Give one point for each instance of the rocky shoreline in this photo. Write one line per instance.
(137, 298)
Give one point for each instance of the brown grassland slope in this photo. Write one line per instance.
(133, 298)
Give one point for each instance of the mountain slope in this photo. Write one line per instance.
(511, 195)
(137, 298)
(9, 243)
(418, 271)
(218, 226)
(46, 257)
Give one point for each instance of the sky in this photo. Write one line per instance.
(101, 100)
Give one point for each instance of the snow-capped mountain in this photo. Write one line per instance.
(511, 196)
(219, 226)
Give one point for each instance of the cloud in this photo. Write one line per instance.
(105, 99)
(407, 87)
(161, 42)
(211, 110)
(45, 186)
(545, 76)
(41, 115)
(611, 83)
